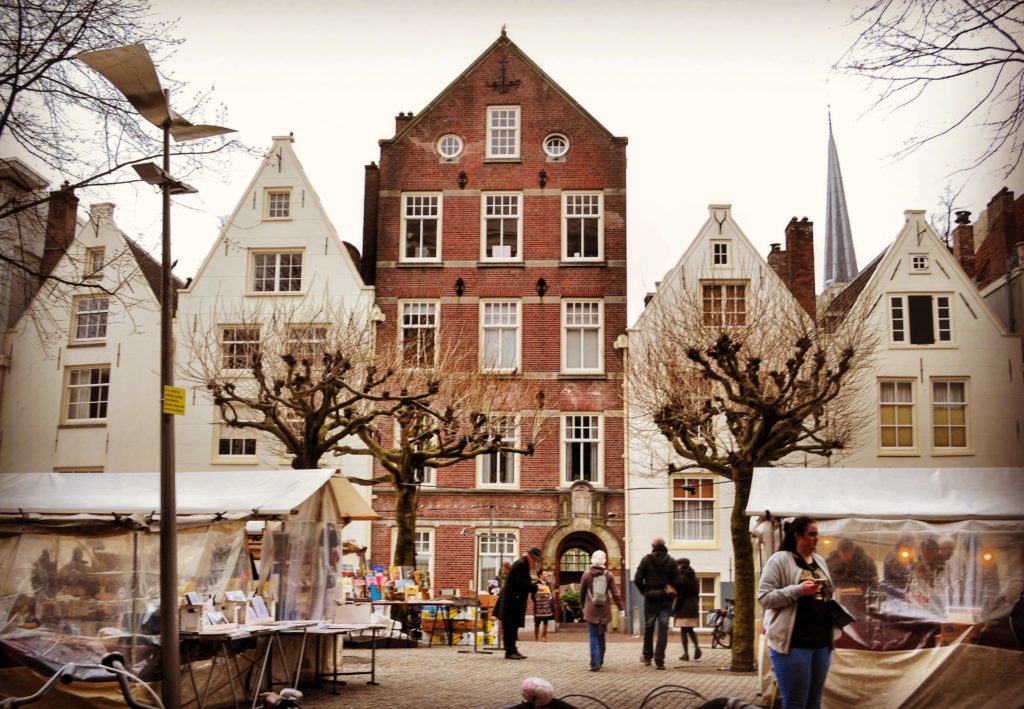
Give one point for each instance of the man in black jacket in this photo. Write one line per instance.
(656, 573)
(512, 601)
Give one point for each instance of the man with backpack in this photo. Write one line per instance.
(658, 579)
(598, 592)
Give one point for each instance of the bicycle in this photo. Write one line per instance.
(720, 621)
(112, 662)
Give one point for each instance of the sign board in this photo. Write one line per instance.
(174, 401)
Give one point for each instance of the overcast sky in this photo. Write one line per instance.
(722, 101)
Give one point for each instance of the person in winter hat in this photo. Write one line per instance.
(598, 592)
(657, 578)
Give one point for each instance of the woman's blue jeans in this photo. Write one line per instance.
(598, 633)
(801, 675)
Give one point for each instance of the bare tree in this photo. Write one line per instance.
(941, 221)
(441, 416)
(908, 46)
(734, 388)
(317, 390)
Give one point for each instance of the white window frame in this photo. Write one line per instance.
(920, 263)
(232, 357)
(967, 447)
(900, 330)
(98, 393)
(503, 540)
(449, 138)
(485, 214)
(420, 534)
(92, 268)
(566, 477)
(275, 279)
(570, 330)
(897, 426)
(409, 201)
(100, 315)
(492, 314)
(223, 432)
(555, 138)
(512, 459)
(720, 254)
(402, 327)
(568, 197)
(307, 340)
(429, 471)
(702, 606)
(269, 208)
(726, 318)
(494, 115)
(706, 506)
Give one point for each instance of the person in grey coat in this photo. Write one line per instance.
(794, 590)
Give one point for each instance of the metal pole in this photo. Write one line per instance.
(170, 655)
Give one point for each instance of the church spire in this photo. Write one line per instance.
(840, 260)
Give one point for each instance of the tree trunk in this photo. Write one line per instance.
(743, 591)
(405, 524)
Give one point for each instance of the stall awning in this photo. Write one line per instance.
(234, 494)
(895, 493)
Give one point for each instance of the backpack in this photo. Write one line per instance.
(599, 590)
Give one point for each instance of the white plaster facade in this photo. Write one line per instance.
(959, 397)
(82, 391)
(649, 489)
(278, 213)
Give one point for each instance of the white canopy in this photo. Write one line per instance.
(898, 493)
(234, 494)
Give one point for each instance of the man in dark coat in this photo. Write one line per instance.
(512, 601)
(850, 566)
(654, 574)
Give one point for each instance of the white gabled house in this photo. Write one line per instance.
(82, 390)
(947, 390)
(278, 262)
(720, 276)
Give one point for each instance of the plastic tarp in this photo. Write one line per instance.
(929, 563)
(898, 493)
(235, 494)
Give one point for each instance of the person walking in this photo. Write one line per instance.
(543, 607)
(598, 592)
(686, 610)
(657, 578)
(794, 591)
(512, 601)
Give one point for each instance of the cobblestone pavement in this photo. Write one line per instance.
(444, 678)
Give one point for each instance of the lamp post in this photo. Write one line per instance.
(131, 71)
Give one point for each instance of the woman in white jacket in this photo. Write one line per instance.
(795, 586)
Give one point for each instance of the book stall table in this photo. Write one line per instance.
(332, 631)
(411, 612)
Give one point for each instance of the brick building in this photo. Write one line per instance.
(496, 219)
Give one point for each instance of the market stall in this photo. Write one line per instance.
(79, 559)
(930, 562)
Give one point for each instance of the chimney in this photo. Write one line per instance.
(800, 253)
(371, 197)
(401, 121)
(963, 242)
(60, 227)
(778, 262)
(1002, 227)
(102, 212)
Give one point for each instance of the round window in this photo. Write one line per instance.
(556, 145)
(449, 146)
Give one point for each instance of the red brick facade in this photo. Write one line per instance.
(539, 508)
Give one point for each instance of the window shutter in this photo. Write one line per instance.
(922, 325)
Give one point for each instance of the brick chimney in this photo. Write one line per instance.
(963, 242)
(60, 227)
(1002, 232)
(371, 196)
(800, 258)
(102, 212)
(779, 263)
(401, 121)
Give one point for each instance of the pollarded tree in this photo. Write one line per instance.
(909, 46)
(441, 416)
(736, 384)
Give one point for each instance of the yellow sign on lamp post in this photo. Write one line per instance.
(174, 400)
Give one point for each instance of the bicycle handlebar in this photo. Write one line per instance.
(114, 661)
(65, 674)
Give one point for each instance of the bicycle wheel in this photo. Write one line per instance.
(724, 639)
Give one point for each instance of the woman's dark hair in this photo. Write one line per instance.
(797, 526)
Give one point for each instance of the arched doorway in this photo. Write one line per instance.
(573, 557)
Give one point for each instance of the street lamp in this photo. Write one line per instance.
(131, 71)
